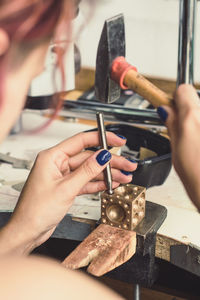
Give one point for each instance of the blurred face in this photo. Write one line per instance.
(25, 62)
(16, 83)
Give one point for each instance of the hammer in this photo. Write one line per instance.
(113, 72)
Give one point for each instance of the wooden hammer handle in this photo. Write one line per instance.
(136, 82)
(127, 76)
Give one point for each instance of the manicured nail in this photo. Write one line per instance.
(162, 113)
(103, 157)
(121, 137)
(126, 172)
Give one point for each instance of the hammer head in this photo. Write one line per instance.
(111, 45)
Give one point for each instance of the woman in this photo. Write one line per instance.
(26, 28)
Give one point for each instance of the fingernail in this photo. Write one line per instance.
(121, 137)
(126, 172)
(103, 157)
(162, 113)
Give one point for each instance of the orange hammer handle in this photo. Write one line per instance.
(128, 77)
(136, 82)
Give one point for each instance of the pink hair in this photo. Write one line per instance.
(32, 21)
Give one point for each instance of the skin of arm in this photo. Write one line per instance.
(57, 177)
(41, 278)
(183, 123)
(59, 173)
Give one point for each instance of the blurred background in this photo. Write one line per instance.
(151, 35)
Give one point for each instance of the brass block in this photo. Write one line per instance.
(125, 208)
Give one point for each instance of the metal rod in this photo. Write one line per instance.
(187, 12)
(136, 295)
(104, 145)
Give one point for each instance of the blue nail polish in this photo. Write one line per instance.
(162, 113)
(122, 137)
(103, 157)
(126, 172)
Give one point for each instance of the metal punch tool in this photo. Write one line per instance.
(104, 145)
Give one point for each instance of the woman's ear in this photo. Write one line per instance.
(4, 41)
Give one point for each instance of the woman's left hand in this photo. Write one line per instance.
(57, 177)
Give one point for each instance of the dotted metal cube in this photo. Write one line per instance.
(125, 208)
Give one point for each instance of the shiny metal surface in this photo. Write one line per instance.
(136, 295)
(187, 12)
(125, 208)
(111, 45)
(103, 143)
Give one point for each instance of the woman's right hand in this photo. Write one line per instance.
(183, 123)
(57, 177)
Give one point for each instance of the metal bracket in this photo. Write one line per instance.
(141, 268)
(186, 257)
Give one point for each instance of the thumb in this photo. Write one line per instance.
(168, 116)
(171, 120)
(92, 167)
(186, 97)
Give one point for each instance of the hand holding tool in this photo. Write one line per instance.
(113, 72)
(103, 143)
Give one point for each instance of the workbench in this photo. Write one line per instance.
(180, 228)
(179, 231)
(182, 222)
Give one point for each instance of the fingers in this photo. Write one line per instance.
(118, 176)
(170, 118)
(122, 163)
(90, 169)
(84, 140)
(76, 160)
(117, 162)
(121, 167)
(186, 97)
(168, 115)
(97, 186)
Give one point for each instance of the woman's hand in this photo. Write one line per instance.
(57, 177)
(183, 122)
